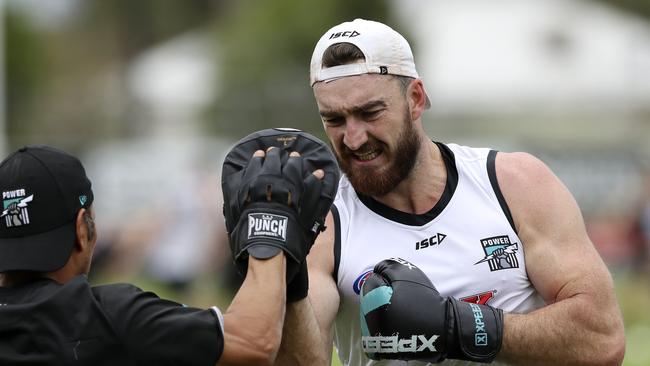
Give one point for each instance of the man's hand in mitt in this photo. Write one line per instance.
(278, 200)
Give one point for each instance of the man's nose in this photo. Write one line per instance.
(355, 134)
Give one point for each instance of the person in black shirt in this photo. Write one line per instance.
(51, 315)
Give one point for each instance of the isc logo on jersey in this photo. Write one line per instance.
(267, 225)
(358, 283)
(430, 241)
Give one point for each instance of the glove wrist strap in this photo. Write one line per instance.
(478, 332)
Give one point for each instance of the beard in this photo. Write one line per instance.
(378, 181)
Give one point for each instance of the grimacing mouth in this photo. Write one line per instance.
(367, 155)
(366, 152)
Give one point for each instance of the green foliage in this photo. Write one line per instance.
(65, 83)
(136, 25)
(264, 52)
(26, 67)
(640, 7)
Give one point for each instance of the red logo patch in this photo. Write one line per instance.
(480, 299)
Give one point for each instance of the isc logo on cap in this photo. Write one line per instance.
(349, 34)
(264, 225)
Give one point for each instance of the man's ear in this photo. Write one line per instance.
(83, 236)
(417, 98)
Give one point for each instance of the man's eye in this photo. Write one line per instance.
(370, 114)
(333, 120)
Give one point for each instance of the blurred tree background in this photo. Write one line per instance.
(151, 92)
(640, 7)
(66, 75)
(66, 79)
(265, 52)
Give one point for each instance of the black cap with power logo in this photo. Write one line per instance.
(42, 190)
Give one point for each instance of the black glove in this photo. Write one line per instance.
(276, 203)
(404, 317)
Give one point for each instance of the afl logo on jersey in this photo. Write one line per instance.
(358, 283)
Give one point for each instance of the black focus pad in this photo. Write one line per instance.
(277, 189)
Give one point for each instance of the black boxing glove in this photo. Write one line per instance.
(404, 317)
(275, 203)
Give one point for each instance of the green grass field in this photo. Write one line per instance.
(335, 360)
(633, 291)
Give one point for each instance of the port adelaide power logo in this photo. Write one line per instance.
(15, 206)
(500, 253)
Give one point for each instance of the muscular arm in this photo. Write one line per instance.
(307, 332)
(253, 322)
(582, 323)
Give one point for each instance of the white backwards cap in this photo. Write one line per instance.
(385, 51)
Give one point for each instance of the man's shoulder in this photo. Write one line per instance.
(115, 289)
(116, 296)
(464, 152)
(521, 168)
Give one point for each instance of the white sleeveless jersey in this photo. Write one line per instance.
(454, 244)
